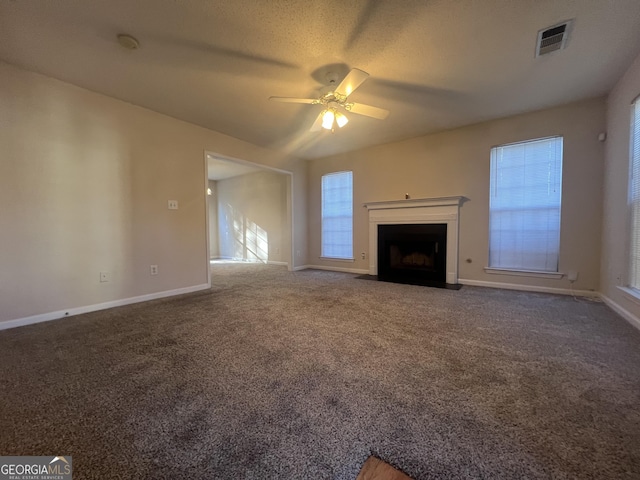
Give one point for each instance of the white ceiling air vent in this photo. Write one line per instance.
(553, 38)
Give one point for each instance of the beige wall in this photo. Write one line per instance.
(252, 204)
(300, 201)
(615, 234)
(456, 162)
(84, 185)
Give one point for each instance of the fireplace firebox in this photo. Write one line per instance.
(412, 253)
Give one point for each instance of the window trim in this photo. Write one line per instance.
(523, 273)
(517, 271)
(338, 259)
(350, 259)
(630, 293)
(628, 288)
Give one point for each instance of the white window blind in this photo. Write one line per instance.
(525, 199)
(337, 215)
(634, 194)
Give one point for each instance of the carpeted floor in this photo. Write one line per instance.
(273, 374)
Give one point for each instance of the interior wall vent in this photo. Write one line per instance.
(553, 38)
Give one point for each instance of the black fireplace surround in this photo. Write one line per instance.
(412, 253)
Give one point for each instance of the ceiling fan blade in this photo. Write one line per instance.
(352, 81)
(369, 111)
(317, 125)
(294, 100)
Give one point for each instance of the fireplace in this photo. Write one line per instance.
(412, 253)
(442, 213)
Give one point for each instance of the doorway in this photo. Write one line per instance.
(249, 213)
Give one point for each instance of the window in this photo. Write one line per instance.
(524, 206)
(337, 215)
(634, 194)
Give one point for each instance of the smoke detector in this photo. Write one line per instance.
(553, 38)
(128, 42)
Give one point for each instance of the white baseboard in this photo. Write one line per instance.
(529, 288)
(45, 317)
(273, 262)
(623, 312)
(299, 267)
(359, 271)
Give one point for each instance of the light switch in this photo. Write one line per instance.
(173, 204)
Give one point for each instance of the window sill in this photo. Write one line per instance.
(523, 273)
(631, 294)
(333, 259)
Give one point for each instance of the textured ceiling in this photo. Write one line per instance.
(434, 64)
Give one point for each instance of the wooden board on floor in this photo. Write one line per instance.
(376, 469)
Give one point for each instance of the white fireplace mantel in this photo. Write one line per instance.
(417, 211)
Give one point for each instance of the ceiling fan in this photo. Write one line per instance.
(337, 100)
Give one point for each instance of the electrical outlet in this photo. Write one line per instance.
(572, 276)
(153, 269)
(105, 277)
(173, 204)
(364, 255)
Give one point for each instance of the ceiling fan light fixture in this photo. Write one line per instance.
(341, 119)
(327, 119)
(335, 101)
